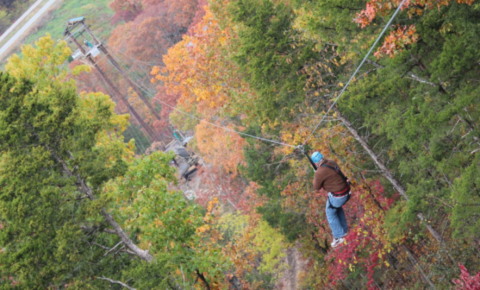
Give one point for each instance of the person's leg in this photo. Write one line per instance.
(342, 220)
(333, 221)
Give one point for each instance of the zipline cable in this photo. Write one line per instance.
(356, 71)
(146, 90)
(319, 123)
(213, 124)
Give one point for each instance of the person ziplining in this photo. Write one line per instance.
(329, 177)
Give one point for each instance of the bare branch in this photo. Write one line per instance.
(386, 173)
(419, 79)
(101, 246)
(84, 188)
(116, 282)
(415, 263)
(108, 231)
(114, 247)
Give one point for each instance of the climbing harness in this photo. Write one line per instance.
(349, 194)
(339, 172)
(342, 193)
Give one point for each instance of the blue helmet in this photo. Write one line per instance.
(316, 157)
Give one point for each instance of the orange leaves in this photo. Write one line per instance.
(397, 41)
(223, 149)
(366, 16)
(155, 71)
(199, 71)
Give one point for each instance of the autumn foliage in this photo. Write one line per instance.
(466, 281)
(397, 40)
(272, 69)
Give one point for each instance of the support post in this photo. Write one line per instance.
(132, 84)
(116, 92)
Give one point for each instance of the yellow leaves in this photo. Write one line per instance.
(222, 40)
(203, 229)
(340, 84)
(42, 61)
(155, 70)
(158, 223)
(172, 244)
(80, 68)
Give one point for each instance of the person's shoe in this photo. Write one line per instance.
(336, 242)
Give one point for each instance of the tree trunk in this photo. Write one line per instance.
(415, 263)
(385, 172)
(204, 280)
(85, 189)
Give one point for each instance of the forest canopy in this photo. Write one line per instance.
(89, 199)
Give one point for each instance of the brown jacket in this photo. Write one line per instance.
(328, 179)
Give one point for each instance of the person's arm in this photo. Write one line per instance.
(317, 180)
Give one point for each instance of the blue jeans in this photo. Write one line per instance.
(336, 217)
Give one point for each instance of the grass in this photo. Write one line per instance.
(96, 12)
(23, 22)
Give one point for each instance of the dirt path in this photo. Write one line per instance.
(290, 278)
(17, 38)
(19, 20)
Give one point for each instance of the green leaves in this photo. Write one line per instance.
(51, 138)
(267, 55)
(466, 202)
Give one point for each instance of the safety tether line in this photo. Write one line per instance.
(356, 71)
(301, 147)
(213, 124)
(225, 128)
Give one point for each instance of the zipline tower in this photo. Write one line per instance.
(89, 51)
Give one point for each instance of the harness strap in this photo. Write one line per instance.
(338, 171)
(343, 192)
(340, 193)
(334, 207)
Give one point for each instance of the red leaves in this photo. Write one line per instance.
(466, 281)
(397, 41)
(366, 243)
(125, 10)
(366, 16)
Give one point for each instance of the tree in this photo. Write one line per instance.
(164, 223)
(159, 26)
(75, 204)
(45, 135)
(271, 62)
(125, 10)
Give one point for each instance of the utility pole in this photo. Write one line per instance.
(134, 86)
(118, 95)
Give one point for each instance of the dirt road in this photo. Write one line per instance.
(7, 47)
